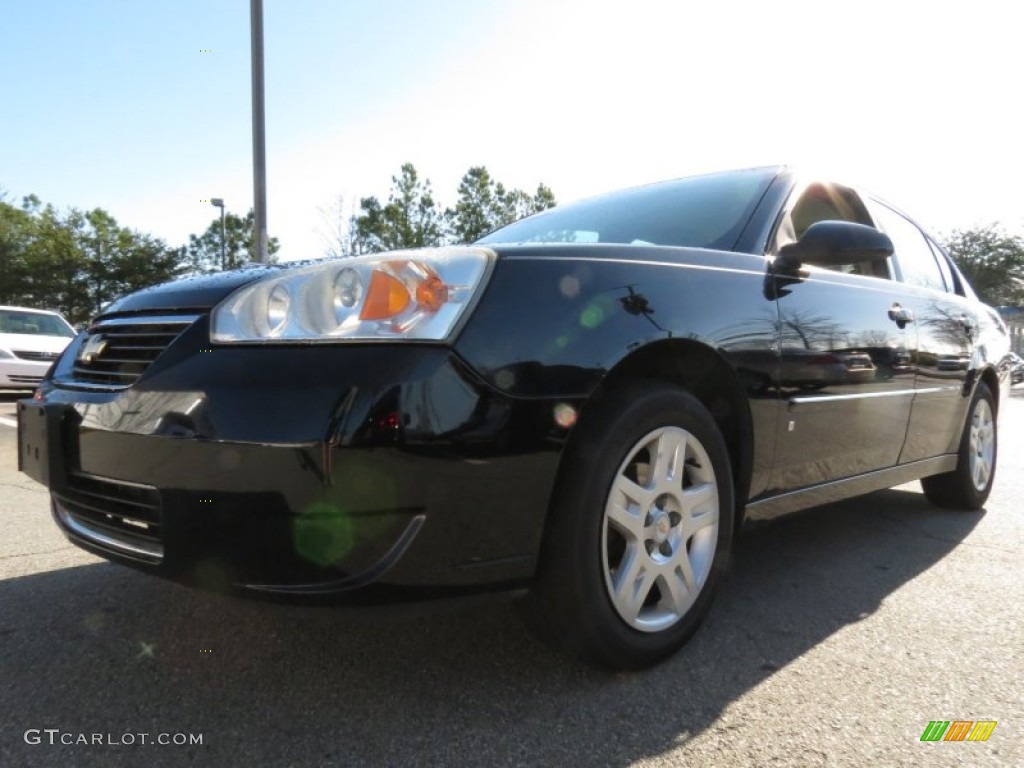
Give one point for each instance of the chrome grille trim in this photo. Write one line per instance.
(122, 544)
(119, 516)
(128, 346)
(41, 357)
(143, 320)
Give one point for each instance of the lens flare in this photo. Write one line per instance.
(565, 415)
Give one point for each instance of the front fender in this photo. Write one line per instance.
(554, 323)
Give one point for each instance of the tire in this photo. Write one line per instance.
(968, 486)
(634, 548)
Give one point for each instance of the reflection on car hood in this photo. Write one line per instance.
(198, 292)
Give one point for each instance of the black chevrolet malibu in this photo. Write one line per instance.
(584, 405)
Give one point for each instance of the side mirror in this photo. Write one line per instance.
(833, 243)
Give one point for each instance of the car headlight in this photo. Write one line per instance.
(5, 355)
(402, 295)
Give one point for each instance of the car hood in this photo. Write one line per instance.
(194, 293)
(200, 293)
(33, 342)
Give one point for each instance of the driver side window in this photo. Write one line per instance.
(826, 202)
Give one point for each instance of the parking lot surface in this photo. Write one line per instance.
(839, 634)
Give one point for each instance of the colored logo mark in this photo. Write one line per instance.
(958, 730)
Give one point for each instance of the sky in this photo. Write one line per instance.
(144, 109)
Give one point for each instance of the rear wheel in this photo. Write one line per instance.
(968, 486)
(639, 529)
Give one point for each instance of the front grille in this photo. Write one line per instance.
(114, 515)
(28, 354)
(118, 351)
(22, 379)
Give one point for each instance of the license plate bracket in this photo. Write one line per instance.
(40, 442)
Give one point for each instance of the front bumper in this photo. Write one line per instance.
(22, 374)
(370, 471)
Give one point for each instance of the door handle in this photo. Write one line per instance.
(900, 315)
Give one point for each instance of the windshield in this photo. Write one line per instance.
(33, 323)
(700, 212)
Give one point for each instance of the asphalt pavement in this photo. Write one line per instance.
(839, 634)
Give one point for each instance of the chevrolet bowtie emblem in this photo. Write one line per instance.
(92, 349)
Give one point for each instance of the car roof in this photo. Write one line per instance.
(31, 309)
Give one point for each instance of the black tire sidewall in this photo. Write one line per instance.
(571, 578)
(955, 489)
(975, 497)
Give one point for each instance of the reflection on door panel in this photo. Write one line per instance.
(846, 379)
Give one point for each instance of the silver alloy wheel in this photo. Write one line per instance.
(982, 444)
(660, 529)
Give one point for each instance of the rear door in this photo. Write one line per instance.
(946, 325)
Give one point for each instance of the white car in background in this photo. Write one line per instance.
(30, 340)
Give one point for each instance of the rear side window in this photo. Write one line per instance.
(952, 284)
(915, 257)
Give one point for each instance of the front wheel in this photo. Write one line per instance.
(968, 486)
(639, 529)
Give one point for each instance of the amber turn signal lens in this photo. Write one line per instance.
(385, 298)
(432, 293)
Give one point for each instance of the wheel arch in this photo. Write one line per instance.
(990, 378)
(704, 373)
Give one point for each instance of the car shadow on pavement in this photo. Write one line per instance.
(103, 649)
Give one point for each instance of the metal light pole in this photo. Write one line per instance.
(218, 202)
(259, 167)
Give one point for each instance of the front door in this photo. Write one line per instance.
(846, 379)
